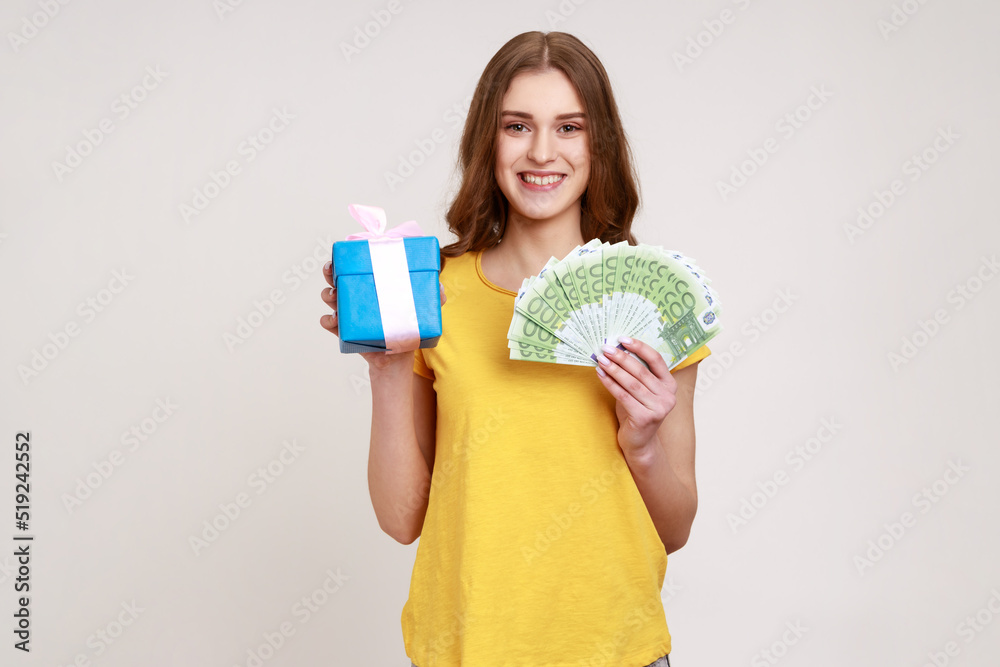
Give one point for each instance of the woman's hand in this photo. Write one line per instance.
(376, 360)
(645, 396)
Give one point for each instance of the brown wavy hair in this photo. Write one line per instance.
(478, 214)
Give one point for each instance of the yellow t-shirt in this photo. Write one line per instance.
(537, 549)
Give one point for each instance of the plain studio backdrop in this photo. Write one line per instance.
(174, 175)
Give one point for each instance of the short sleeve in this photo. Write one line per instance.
(693, 358)
(420, 366)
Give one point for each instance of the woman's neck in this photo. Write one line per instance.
(527, 245)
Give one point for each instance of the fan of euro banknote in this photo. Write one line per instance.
(601, 291)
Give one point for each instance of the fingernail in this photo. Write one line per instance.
(326, 267)
(600, 371)
(608, 349)
(625, 339)
(601, 359)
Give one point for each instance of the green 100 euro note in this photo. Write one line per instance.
(602, 291)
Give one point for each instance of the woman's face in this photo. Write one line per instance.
(543, 157)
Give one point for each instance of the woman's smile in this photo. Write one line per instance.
(538, 182)
(543, 153)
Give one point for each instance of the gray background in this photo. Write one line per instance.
(855, 299)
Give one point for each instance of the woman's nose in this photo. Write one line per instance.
(542, 148)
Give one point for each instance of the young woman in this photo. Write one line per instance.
(546, 496)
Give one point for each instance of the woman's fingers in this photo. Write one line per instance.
(625, 371)
(655, 374)
(607, 374)
(649, 386)
(654, 360)
(328, 273)
(329, 296)
(329, 322)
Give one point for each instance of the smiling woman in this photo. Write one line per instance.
(546, 497)
(542, 168)
(542, 150)
(515, 111)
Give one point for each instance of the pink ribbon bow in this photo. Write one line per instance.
(392, 277)
(372, 218)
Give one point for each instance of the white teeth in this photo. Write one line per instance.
(543, 180)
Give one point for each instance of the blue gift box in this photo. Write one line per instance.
(357, 301)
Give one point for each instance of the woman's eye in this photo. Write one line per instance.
(565, 129)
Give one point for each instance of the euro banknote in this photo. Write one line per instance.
(601, 291)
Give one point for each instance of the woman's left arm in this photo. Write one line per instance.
(655, 411)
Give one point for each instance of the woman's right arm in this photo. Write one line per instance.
(401, 456)
(401, 453)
